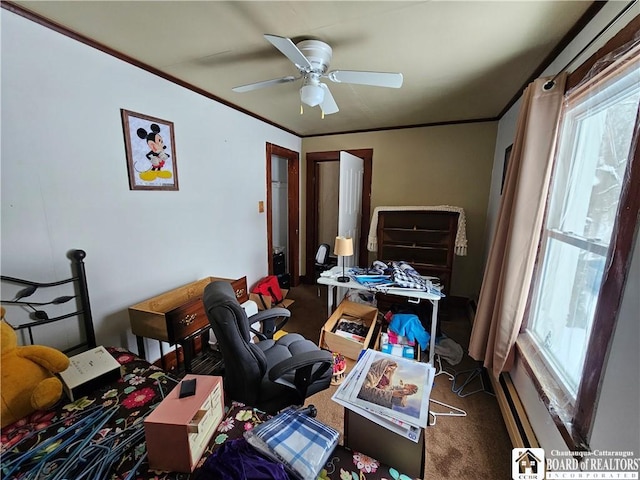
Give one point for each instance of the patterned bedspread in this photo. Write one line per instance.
(97, 436)
(102, 435)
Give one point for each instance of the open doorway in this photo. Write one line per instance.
(283, 224)
(321, 216)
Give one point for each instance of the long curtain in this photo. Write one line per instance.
(509, 269)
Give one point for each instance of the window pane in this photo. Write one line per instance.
(591, 165)
(588, 177)
(564, 313)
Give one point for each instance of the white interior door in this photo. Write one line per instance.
(350, 201)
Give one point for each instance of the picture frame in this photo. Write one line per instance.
(507, 155)
(150, 150)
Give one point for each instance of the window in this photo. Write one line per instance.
(581, 237)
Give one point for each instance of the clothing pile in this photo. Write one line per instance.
(289, 445)
(382, 276)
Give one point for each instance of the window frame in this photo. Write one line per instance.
(577, 429)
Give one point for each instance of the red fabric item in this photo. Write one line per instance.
(269, 286)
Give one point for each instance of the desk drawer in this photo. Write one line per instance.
(191, 317)
(186, 319)
(171, 316)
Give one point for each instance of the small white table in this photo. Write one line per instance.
(329, 278)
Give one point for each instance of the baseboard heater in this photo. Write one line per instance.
(515, 417)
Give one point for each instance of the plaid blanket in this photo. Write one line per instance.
(404, 275)
(301, 442)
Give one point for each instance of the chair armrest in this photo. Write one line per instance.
(269, 325)
(302, 364)
(270, 313)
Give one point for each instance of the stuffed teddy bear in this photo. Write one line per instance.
(28, 383)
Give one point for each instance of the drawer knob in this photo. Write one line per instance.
(188, 319)
(239, 292)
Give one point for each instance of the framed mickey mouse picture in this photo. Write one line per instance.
(151, 153)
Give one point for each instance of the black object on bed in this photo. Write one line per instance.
(38, 314)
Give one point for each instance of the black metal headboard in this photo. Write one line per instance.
(40, 317)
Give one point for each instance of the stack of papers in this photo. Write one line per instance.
(389, 390)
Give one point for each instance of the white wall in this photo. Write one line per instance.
(616, 425)
(65, 185)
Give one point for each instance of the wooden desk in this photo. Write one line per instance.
(330, 280)
(177, 316)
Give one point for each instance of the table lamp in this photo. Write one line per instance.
(343, 248)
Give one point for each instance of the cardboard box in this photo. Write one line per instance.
(88, 371)
(338, 343)
(264, 301)
(178, 431)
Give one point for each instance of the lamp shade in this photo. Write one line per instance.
(343, 246)
(312, 95)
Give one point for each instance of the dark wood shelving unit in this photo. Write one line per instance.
(423, 238)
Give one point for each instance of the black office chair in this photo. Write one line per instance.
(271, 321)
(269, 375)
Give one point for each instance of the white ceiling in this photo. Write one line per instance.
(461, 60)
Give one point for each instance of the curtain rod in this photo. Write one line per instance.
(551, 83)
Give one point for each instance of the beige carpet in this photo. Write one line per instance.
(475, 447)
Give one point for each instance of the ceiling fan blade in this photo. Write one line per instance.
(376, 79)
(265, 83)
(289, 49)
(328, 104)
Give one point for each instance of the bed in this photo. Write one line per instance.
(101, 435)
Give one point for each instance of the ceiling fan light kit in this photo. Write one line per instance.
(312, 59)
(311, 95)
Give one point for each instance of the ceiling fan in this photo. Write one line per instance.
(312, 58)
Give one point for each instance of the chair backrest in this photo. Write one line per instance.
(244, 363)
(322, 255)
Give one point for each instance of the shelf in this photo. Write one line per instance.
(415, 237)
(419, 247)
(420, 230)
(423, 238)
(431, 266)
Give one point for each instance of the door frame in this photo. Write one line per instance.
(293, 219)
(313, 192)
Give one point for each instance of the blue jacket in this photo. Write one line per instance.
(409, 325)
